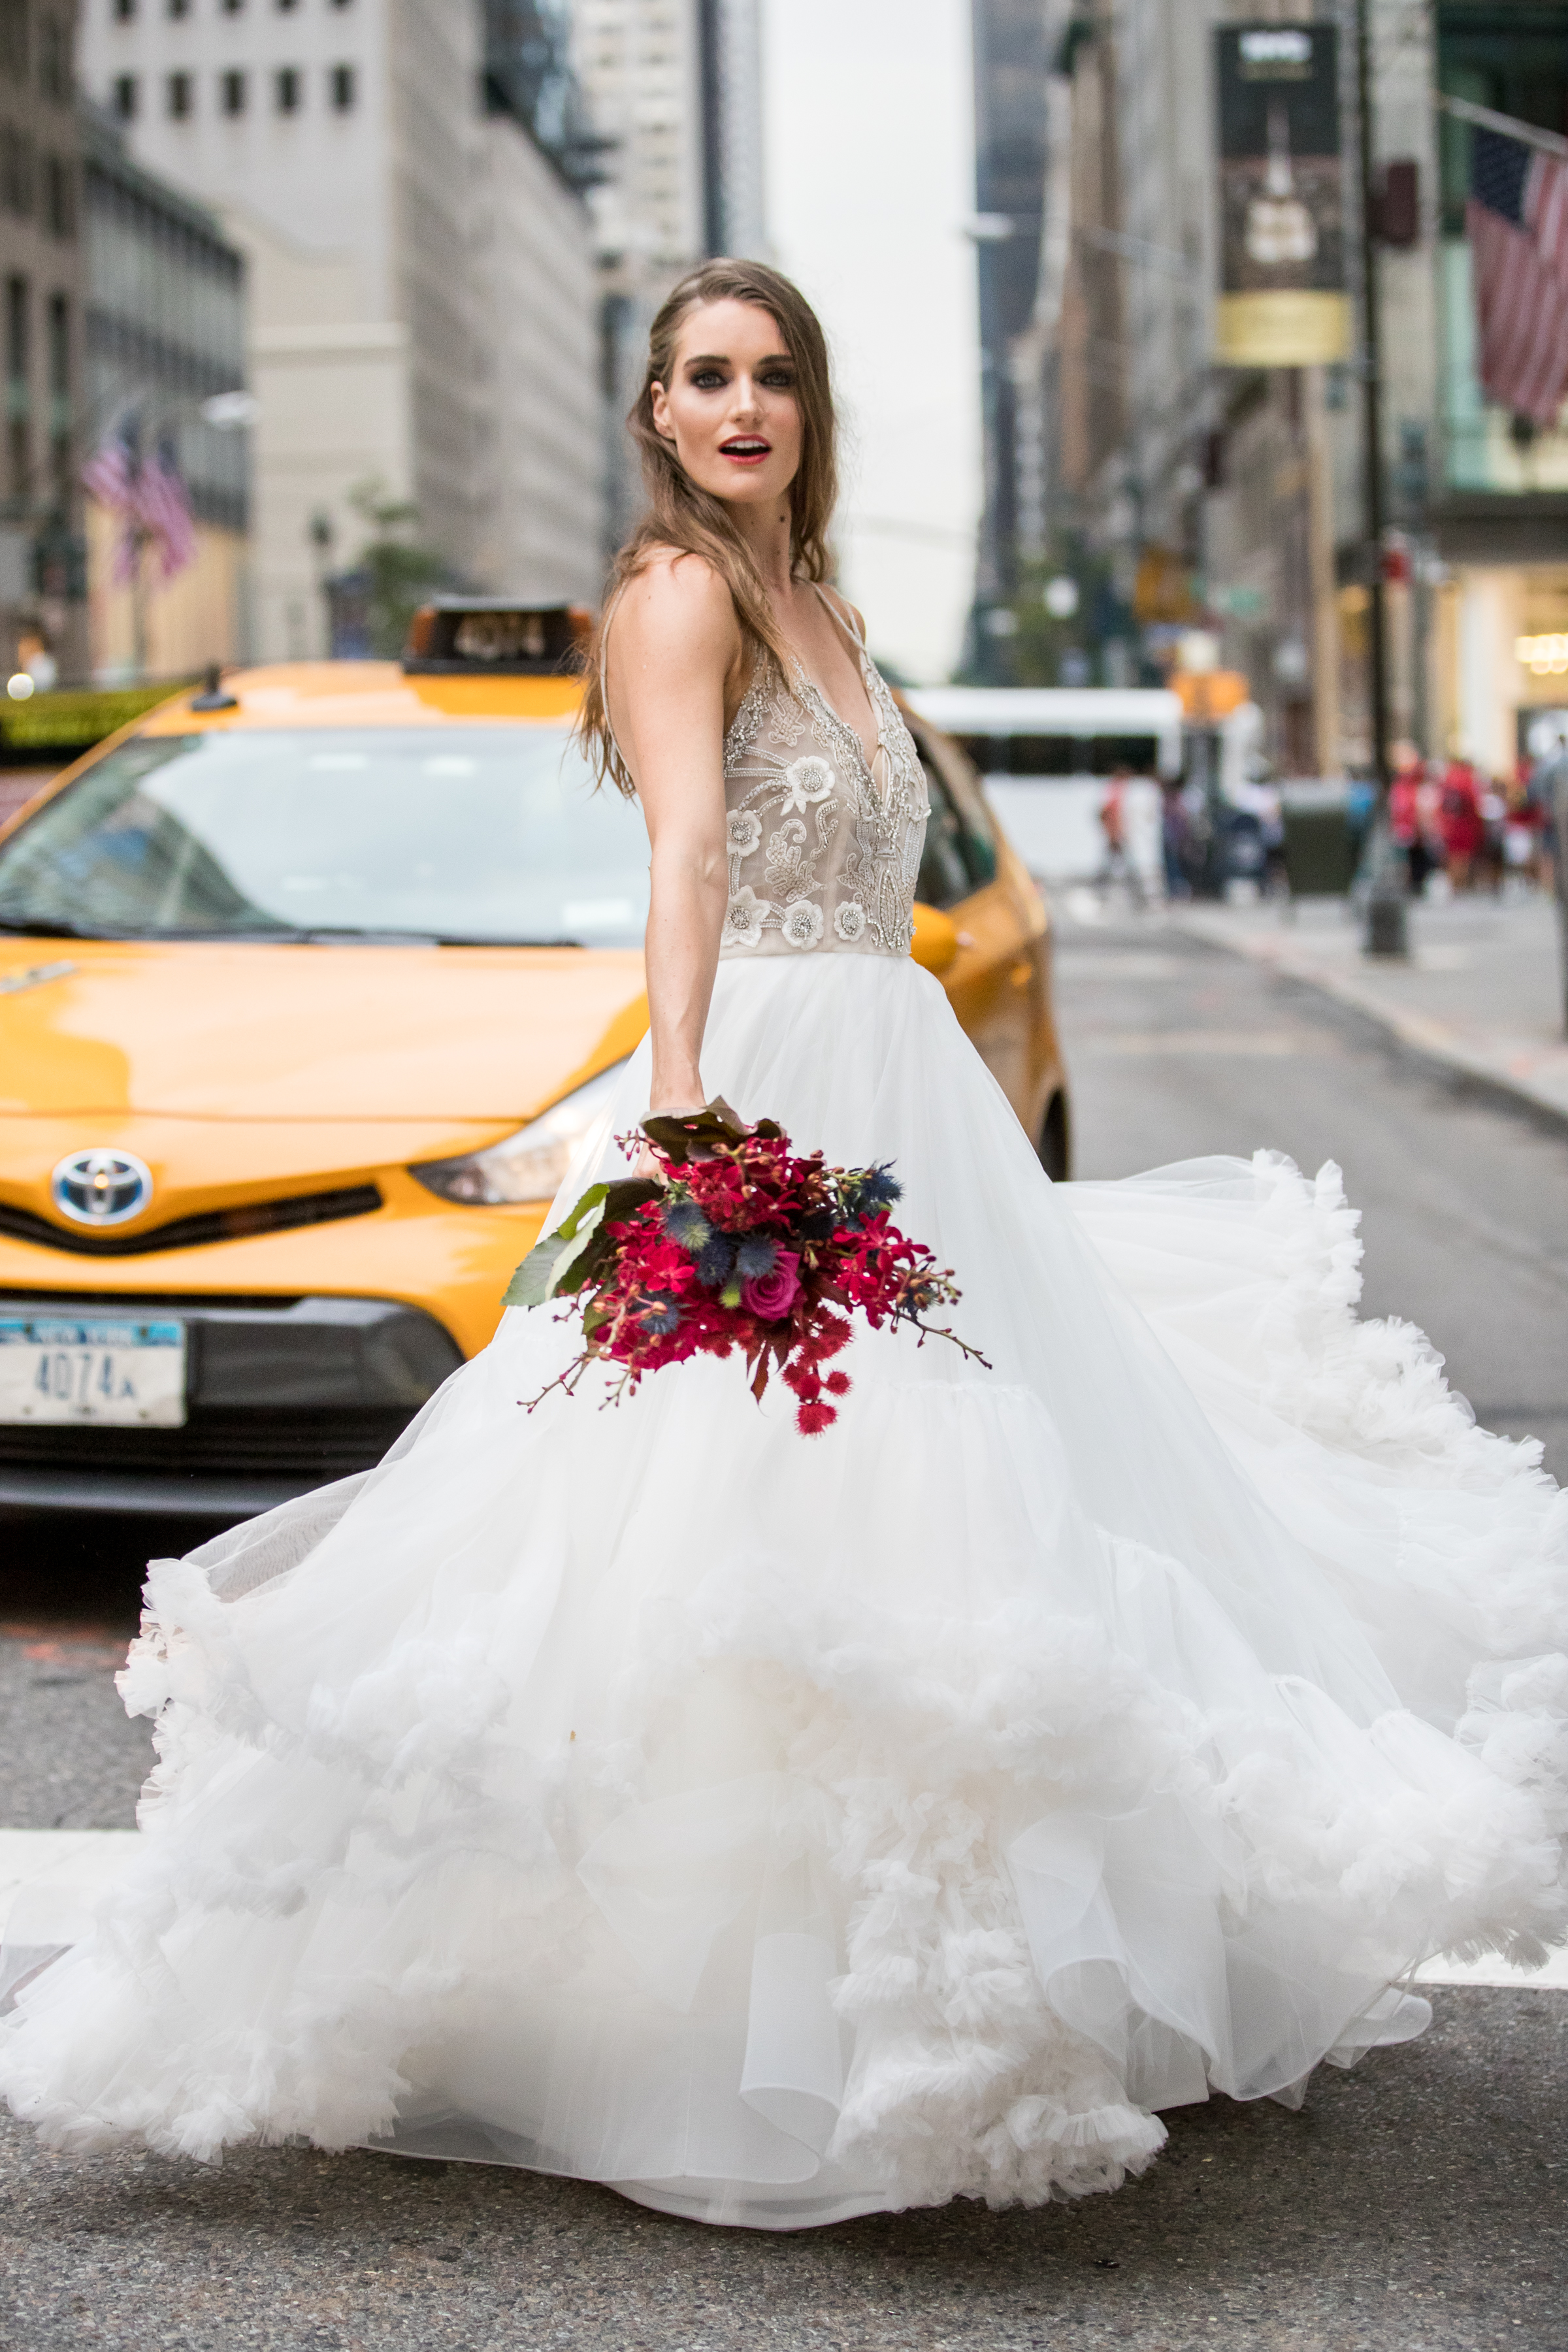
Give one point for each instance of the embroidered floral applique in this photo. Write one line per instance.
(823, 850)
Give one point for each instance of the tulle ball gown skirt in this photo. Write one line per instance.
(781, 1829)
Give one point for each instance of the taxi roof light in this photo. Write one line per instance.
(495, 637)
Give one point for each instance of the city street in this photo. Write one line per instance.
(1415, 2205)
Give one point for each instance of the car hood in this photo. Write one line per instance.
(256, 1031)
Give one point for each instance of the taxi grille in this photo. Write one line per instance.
(194, 1233)
(311, 1444)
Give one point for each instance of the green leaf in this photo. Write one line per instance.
(578, 1243)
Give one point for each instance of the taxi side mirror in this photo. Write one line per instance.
(936, 941)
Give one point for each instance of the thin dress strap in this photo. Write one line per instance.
(853, 635)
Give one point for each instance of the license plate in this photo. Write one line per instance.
(115, 1369)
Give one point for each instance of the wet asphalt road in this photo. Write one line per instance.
(1415, 2205)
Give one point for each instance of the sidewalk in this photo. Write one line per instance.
(1482, 990)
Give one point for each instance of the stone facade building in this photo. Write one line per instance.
(43, 606)
(405, 186)
(1232, 499)
(164, 300)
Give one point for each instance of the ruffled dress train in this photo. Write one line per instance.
(780, 1829)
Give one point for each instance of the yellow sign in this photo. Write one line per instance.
(1209, 695)
(1281, 330)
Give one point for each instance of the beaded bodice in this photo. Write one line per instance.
(824, 846)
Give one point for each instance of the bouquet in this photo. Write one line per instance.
(743, 1245)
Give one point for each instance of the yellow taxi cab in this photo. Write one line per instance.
(310, 985)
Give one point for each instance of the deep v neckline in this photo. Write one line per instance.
(830, 710)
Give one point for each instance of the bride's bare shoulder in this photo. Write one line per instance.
(676, 600)
(846, 612)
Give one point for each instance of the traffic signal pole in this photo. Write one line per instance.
(1387, 931)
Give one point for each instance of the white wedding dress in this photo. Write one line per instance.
(784, 1828)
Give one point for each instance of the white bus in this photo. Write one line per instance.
(1044, 752)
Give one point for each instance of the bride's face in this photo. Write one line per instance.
(730, 406)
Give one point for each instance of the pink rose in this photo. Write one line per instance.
(771, 1296)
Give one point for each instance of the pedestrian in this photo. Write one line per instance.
(1492, 807)
(1462, 825)
(1406, 828)
(1173, 831)
(1117, 864)
(780, 1829)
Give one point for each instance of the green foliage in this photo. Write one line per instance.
(1035, 653)
(399, 574)
(74, 721)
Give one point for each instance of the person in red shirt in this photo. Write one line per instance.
(1463, 828)
(1404, 820)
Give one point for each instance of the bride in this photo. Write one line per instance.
(779, 1830)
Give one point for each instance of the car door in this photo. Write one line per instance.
(997, 982)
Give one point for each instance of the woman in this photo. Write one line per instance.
(782, 1830)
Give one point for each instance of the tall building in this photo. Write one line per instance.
(732, 51)
(165, 304)
(1010, 116)
(675, 91)
(405, 181)
(1231, 498)
(43, 609)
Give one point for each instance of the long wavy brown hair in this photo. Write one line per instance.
(694, 522)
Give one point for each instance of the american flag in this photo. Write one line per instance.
(163, 507)
(110, 472)
(150, 493)
(1518, 223)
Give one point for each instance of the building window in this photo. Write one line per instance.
(232, 86)
(60, 197)
(54, 61)
(284, 6)
(232, 7)
(340, 4)
(17, 370)
(17, 172)
(179, 7)
(61, 397)
(14, 39)
(124, 97)
(124, 11)
(341, 83)
(286, 90)
(59, 346)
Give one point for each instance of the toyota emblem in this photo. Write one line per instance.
(101, 1187)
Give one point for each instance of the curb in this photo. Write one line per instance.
(1433, 1040)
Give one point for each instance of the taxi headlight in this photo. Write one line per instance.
(529, 1165)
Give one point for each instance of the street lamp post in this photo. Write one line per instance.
(1386, 930)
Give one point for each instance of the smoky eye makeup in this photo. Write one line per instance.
(777, 372)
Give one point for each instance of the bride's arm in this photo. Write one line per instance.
(674, 641)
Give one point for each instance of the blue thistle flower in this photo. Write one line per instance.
(755, 1257)
(715, 1260)
(660, 1315)
(879, 1187)
(867, 1193)
(686, 1225)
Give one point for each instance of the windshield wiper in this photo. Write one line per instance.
(55, 927)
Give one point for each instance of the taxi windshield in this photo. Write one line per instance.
(477, 835)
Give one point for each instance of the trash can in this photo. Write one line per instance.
(1320, 850)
